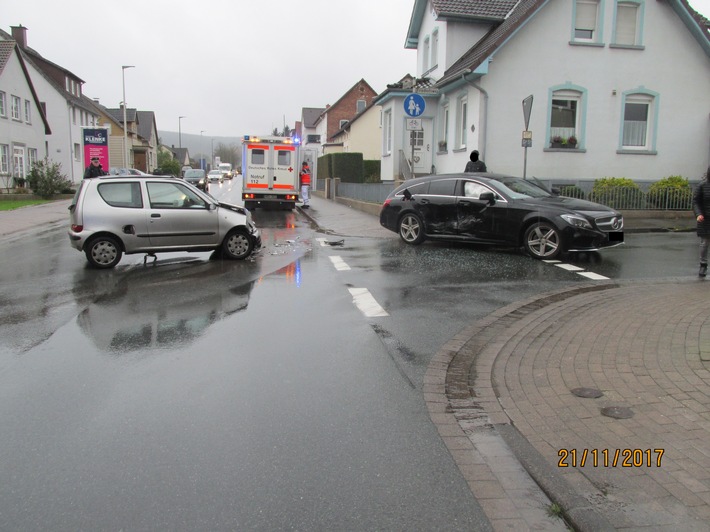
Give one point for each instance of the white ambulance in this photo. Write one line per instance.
(270, 167)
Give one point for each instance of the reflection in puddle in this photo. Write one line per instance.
(170, 311)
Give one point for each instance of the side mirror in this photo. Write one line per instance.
(488, 197)
(555, 191)
(407, 195)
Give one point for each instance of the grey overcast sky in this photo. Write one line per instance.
(230, 67)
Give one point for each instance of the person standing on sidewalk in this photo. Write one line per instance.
(701, 206)
(305, 184)
(475, 164)
(94, 169)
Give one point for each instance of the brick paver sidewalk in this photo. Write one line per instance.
(642, 346)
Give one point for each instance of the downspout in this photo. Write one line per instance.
(71, 145)
(482, 135)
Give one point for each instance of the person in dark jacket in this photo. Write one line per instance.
(475, 164)
(94, 169)
(701, 206)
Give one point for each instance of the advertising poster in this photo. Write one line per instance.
(96, 145)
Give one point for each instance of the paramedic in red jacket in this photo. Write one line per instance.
(305, 184)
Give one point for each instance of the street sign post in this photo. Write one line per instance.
(527, 134)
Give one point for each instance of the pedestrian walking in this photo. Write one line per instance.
(94, 169)
(305, 184)
(475, 164)
(701, 206)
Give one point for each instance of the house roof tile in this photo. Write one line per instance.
(493, 9)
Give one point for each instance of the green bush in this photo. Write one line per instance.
(348, 167)
(618, 193)
(572, 191)
(371, 169)
(46, 178)
(673, 192)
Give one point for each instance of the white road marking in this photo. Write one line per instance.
(592, 275)
(577, 269)
(570, 267)
(339, 263)
(322, 241)
(366, 303)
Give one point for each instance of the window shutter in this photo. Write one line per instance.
(586, 16)
(626, 24)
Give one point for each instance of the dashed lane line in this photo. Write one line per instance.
(339, 263)
(366, 303)
(577, 270)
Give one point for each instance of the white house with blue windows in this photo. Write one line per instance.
(620, 88)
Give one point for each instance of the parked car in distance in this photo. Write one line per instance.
(196, 177)
(497, 209)
(216, 175)
(125, 171)
(113, 215)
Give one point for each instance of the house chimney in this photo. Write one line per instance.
(19, 33)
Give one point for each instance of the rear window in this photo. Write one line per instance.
(442, 187)
(420, 188)
(257, 157)
(127, 195)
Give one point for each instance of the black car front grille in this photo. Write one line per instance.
(610, 223)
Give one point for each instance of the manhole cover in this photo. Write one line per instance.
(587, 393)
(617, 412)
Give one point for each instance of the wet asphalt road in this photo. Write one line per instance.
(202, 394)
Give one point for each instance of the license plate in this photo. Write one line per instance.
(616, 236)
(270, 196)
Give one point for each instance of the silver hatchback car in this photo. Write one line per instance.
(112, 215)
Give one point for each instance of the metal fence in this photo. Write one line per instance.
(626, 198)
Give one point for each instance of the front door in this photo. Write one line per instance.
(420, 147)
(179, 218)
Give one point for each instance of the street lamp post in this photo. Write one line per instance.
(125, 125)
(180, 130)
(202, 159)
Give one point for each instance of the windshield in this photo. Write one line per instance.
(517, 188)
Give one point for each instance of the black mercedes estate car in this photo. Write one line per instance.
(499, 209)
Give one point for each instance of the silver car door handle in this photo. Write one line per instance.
(155, 215)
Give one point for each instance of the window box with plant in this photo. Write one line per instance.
(556, 142)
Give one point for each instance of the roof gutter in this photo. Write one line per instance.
(483, 134)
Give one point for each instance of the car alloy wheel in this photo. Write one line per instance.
(543, 241)
(237, 245)
(411, 229)
(103, 252)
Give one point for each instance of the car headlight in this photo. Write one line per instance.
(576, 221)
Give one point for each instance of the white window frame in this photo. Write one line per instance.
(16, 107)
(569, 93)
(5, 159)
(444, 128)
(461, 122)
(629, 131)
(581, 21)
(3, 104)
(425, 55)
(32, 157)
(623, 14)
(28, 112)
(435, 49)
(360, 106)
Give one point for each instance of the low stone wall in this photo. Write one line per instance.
(24, 197)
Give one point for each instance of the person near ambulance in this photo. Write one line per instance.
(305, 176)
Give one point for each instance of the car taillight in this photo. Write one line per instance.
(77, 228)
(247, 196)
(387, 202)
